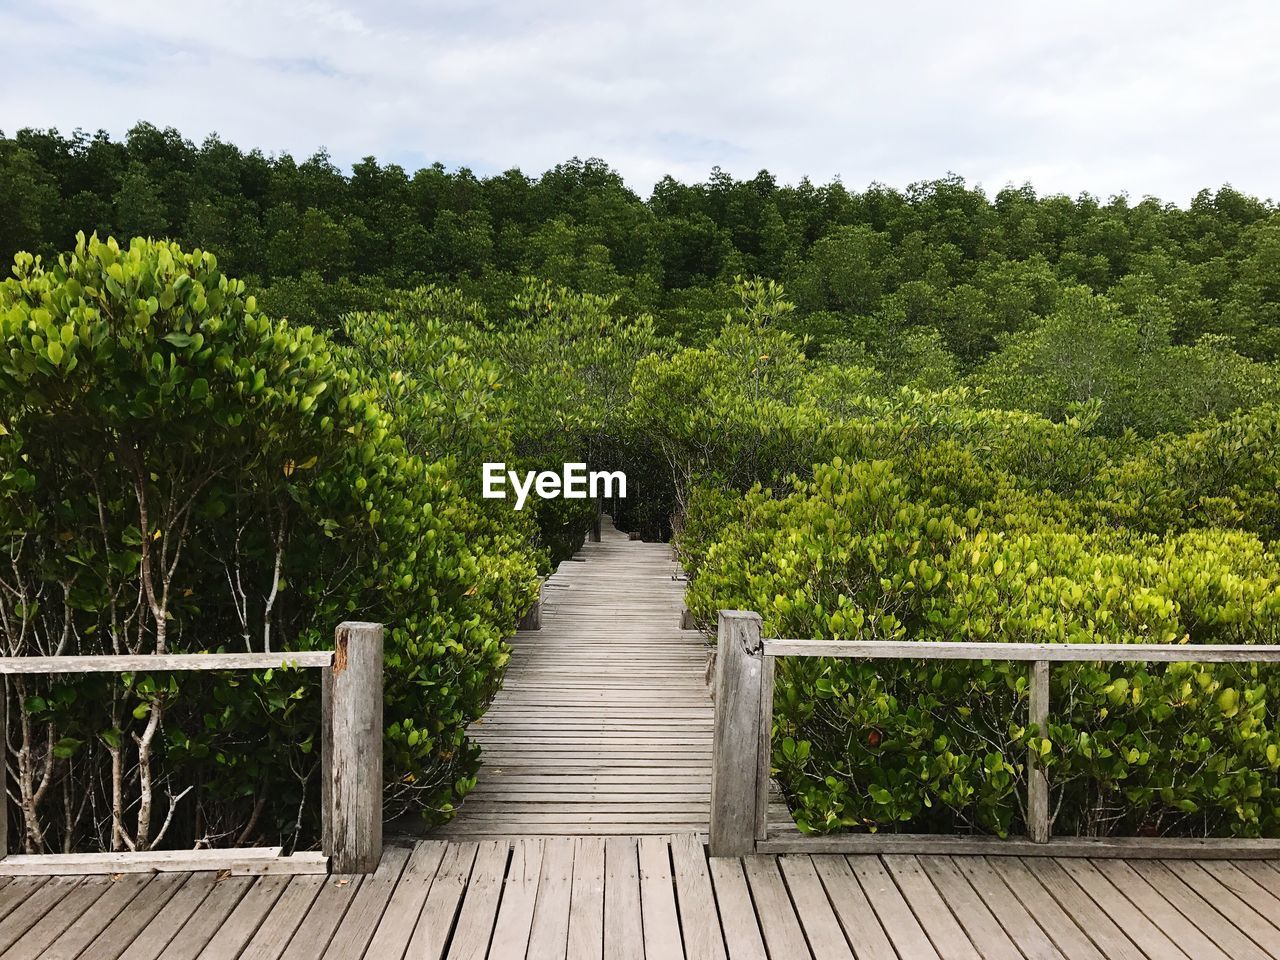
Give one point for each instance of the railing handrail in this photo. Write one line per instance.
(1064, 652)
(351, 734)
(165, 662)
(744, 707)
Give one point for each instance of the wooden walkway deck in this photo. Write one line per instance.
(584, 841)
(603, 725)
(657, 897)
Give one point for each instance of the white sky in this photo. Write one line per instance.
(1143, 97)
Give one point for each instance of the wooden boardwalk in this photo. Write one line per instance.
(603, 725)
(657, 897)
(585, 841)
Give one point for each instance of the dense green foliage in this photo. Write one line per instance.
(933, 520)
(1005, 418)
(179, 472)
(934, 284)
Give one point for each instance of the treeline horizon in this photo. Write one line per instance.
(929, 284)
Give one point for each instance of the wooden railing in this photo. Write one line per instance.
(351, 759)
(744, 722)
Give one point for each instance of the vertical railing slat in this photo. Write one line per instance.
(764, 756)
(4, 768)
(1037, 782)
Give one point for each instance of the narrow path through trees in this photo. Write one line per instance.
(603, 725)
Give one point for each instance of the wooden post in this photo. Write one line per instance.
(764, 758)
(735, 743)
(351, 750)
(595, 527)
(1037, 782)
(4, 769)
(532, 619)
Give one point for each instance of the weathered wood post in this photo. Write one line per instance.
(595, 526)
(4, 768)
(351, 750)
(735, 742)
(532, 619)
(1037, 782)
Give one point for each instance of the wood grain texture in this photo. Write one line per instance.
(651, 897)
(1053, 652)
(351, 749)
(603, 725)
(736, 766)
(1037, 782)
(164, 663)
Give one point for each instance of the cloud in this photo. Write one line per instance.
(1143, 97)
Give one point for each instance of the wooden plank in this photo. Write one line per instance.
(1159, 911)
(610, 684)
(42, 897)
(352, 937)
(854, 911)
(892, 910)
(474, 928)
(1194, 906)
(296, 864)
(165, 663)
(1053, 652)
(1257, 926)
(623, 925)
(586, 904)
(1264, 873)
(206, 919)
(154, 937)
(779, 924)
(1015, 919)
(1076, 924)
(699, 925)
(1129, 848)
(1259, 896)
(351, 749)
(281, 925)
(738, 919)
(230, 939)
(947, 935)
(985, 932)
(334, 898)
(155, 861)
(431, 934)
(510, 804)
(119, 917)
(395, 930)
(13, 893)
(33, 944)
(661, 922)
(813, 908)
(1149, 937)
(519, 895)
(549, 933)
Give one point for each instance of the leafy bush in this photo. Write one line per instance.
(866, 551)
(179, 472)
